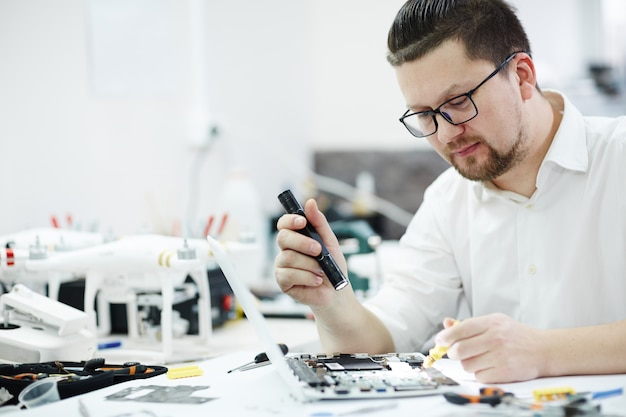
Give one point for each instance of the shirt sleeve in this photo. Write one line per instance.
(422, 285)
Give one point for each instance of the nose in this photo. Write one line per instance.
(447, 132)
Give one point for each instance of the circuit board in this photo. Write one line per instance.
(363, 375)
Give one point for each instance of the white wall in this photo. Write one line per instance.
(356, 99)
(123, 158)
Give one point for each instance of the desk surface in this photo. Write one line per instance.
(300, 335)
(259, 392)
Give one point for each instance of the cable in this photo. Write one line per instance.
(194, 181)
(349, 192)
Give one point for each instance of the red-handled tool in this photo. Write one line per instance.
(488, 395)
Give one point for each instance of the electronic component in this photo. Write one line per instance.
(36, 328)
(349, 373)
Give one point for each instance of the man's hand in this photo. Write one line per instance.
(496, 348)
(344, 325)
(297, 272)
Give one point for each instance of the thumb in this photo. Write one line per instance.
(318, 220)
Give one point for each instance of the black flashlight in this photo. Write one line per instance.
(325, 259)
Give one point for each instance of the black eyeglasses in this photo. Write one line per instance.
(458, 110)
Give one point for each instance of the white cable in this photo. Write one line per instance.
(347, 191)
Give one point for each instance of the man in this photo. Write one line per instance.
(523, 238)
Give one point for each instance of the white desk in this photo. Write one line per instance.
(259, 392)
(300, 335)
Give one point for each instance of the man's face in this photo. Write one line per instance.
(490, 144)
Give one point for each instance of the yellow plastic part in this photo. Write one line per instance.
(184, 372)
(552, 394)
(436, 353)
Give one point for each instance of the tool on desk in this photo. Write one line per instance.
(27, 376)
(260, 360)
(600, 395)
(325, 259)
(31, 376)
(546, 402)
(128, 368)
(436, 353)
(494, 396)
(487, 395)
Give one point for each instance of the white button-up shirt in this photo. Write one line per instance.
(555, 260)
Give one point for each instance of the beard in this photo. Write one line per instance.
(496, 163)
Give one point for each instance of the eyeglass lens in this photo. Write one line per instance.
(456, 111)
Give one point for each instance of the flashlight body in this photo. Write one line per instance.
(325, 259)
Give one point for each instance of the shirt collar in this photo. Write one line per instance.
(569, 146)
(568, 150)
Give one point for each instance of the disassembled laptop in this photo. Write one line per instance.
(351, 374)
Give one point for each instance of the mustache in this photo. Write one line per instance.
(462, 143)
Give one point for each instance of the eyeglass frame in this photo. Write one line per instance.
(433, 113)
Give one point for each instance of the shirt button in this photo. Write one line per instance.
(530, 206)
(532, 270)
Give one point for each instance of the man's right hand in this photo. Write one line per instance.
(298, 273)
(343, 324)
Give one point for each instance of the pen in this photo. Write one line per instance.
(325, 259)
(436, 353)
(598, 395)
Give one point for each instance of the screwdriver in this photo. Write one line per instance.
(259, 360)
(436, 353)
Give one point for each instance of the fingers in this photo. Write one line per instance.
(495, 348)
(453, 332)
(295, 269)
(288, 239)
(295, 264)
(468, 339)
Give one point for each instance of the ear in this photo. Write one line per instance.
(526, 75)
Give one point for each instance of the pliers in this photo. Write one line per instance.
(575, 405)
(488, 395)
(129, 368)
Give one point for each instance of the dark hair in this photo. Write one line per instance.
(489, 29)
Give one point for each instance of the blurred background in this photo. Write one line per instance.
(126, 116)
